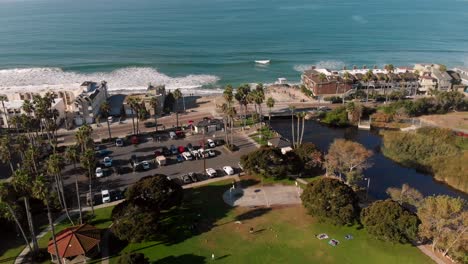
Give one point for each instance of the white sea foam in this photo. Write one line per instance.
(125, 79)
(328, 64)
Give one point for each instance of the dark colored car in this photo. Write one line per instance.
(165, 151)
(134, 140)
(193, 176)
(173, 150)
(103, 153)
(157, 153)
(180, 134)
(150, 124)
(219, 142)
(190, 147)
(180, 158)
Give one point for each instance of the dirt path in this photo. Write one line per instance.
(263, 196)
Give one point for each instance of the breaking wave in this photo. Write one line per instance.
(328, 64)
(121, 80)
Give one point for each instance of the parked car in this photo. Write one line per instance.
(145, 164)
(211, 143)
(179, 158)
(161, 160)
(219, 142)
(192, 176)
(157, 153)
(211, 172)
(180, 134)
(211, 153)
(165, 151)
(196, 154)
(187, 155)
(107, 162)
(103, 152)
(99, 172)
(105, 196)
(186, 179)
(119, 142)
(181, 149)
(174, 150)
(203, 153)
(228, 170)
(134, 140)
(172, 135)
(189, 147)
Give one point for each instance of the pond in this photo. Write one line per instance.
(384, 173)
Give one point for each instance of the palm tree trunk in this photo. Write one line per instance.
(31, 225)
(226, 121)
(19, 227)
(65, 206)
(58, 191)
(298, 131)
(137, 125)
(292, 127)
(303, 124)
(177, 113)
(232, 126)
(108, 128)
(6, 116)
(133, 121)
(78, 195)
(91, 190)
(52, 228)
(11, 166)
(269, 117)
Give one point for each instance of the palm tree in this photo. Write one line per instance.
(241, 96)
(300, 135)
(231, 113)
(54, 165)
(83, 137)
(5, 151)
(88, 162)
(370, 77)
(71, 155)
(270, 104)
(135, 104)
(105, 112)
(346, 78)
(154, 103)
(10, 213)
(177, 95)
(132, 102)
(22, 184)
(259, 98)
(292, 108)
(4, 99)
(41, 192)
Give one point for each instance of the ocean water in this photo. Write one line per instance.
(209, 43)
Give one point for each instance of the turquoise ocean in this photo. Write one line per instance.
(204, 44)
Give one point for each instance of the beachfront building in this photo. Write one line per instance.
(325, 82)
(15, 108)
(463, 72)
(208, 125)
(443, 80)
(158, 91)
(89, 101)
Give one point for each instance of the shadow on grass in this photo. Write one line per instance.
(182, 259)
(253, 214)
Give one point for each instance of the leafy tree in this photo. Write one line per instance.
(134, 224)
(406, 196)
(310, 157)
(347, 158)
(269, 162)
(155, 192)
(336, 117)
(169, 102)
(331, 200)
(444, 221)
(6, 151)
(133, 258)
(389, 221)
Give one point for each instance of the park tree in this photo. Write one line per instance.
(331, 200)
(155, 192)
(444, 221)
(269, 162)
(311, 158)
(347, 158)
(406, 196)
(133, 258)
(389, 221)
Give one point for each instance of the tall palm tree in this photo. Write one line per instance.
(300, 134)
(131, 101)
(5, 202)
(105, 112)
(346, 78)
(154, 103)
(177, 95)
(88, 162)
(22, 184)
(241, 96)
(292, 108)
(370, 77)
(71, 155)
(251, 100)
(4, 99)
(6, 151)
(54, 165)
(259, 98)
(41, 192)
(231, 113)
(83, 137)
(270, 104)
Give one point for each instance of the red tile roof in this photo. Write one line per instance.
(76, 240)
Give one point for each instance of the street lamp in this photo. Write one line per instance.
(368, 186)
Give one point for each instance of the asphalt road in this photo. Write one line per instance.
(145, 151)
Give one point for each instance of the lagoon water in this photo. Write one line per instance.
(186, 43)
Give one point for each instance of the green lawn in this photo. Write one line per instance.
(102, 219)
(282, 235)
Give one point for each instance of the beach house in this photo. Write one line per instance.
(89, 101)
(15, 108)
(325, 82)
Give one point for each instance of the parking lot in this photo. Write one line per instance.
(121, 174)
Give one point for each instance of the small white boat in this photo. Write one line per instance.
(262, 61)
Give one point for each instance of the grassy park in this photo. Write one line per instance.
(205, 225)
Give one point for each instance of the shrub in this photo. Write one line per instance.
(336, 117)
(270, 163)
(133, 258)
(389, 221)
(333, 99)
(310, 158)
(134, 224)
(331, 200)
